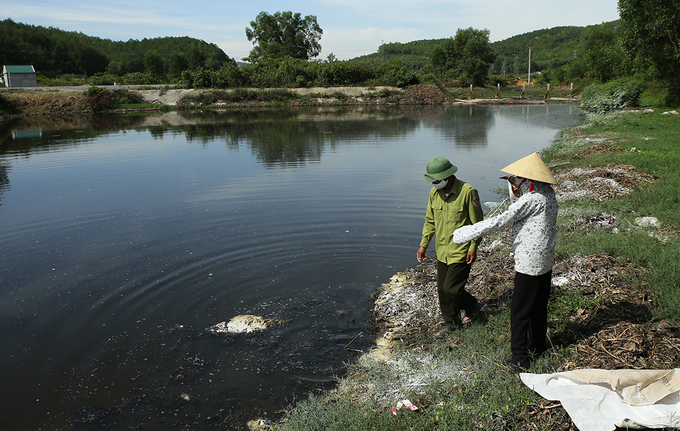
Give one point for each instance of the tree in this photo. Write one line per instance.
(603, 55)
(651, 35)
(443, 56)
(468, 54)
(284, 34)
(177, 63)
(475, 54)
(195, 57)
(153, 63)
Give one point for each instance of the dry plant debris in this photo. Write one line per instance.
(653, 345)
(545, 412)
(603, 220)
(589, 274)
(600, 183)
(424, 94)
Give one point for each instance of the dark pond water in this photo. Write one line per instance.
(122, 239)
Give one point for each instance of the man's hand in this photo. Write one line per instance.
(421, 254)
(471, 257)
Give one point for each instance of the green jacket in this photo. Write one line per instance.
(447, 213)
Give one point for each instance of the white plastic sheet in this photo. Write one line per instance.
(601, 400)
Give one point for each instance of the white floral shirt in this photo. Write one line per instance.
(534, 220)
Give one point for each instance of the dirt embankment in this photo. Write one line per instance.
(56, 101)
(43, 104)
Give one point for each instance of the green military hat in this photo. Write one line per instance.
(438, 169)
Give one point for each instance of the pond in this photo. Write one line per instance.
(124, 238)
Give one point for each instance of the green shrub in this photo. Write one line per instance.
(101, 79)
(660, 95)
(494, 80)
(125, 97)
(54, 80)
(202, 78)
(341, 74)
(275, 72)
(618, 94)
(99, 99)
(230, 76)
(279, 95)
(339, 96)
(138, 78)
(393, 73)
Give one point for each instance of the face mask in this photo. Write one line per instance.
(512, 196)
(440, 185)
(523, 184)
(518, 183)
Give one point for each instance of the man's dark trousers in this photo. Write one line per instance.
(453, 297)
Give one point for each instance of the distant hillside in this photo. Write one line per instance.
(413, 55)
(550, 48)
(53, 50)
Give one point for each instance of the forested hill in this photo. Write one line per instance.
(550, 48)
(53, 50)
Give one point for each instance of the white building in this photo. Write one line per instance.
(19, 76)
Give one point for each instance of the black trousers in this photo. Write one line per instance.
(453, 297)
(529, 317)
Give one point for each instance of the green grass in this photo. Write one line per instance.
(653, 139)
(464, 383)
(452, 382)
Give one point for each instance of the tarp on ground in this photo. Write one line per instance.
(601, 400)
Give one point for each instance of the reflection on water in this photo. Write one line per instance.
(124, 237)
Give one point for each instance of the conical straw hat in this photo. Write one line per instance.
(531, 167)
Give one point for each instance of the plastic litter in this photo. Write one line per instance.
(404, 403)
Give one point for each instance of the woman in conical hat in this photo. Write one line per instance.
(531, 167)
(533, 216)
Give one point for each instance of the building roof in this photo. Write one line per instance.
(18, 69)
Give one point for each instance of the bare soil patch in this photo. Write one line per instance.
(46, 104)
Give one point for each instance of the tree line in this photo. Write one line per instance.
(643, 44)
(55, 52)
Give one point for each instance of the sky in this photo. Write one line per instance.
(351, 28)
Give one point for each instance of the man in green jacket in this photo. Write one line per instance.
(452, 204)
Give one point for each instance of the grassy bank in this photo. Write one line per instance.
(621, 280)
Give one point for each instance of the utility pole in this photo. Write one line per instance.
(529, 73)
